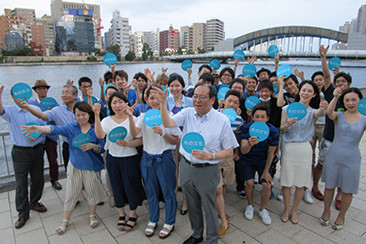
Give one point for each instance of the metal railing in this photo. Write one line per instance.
(9, 174)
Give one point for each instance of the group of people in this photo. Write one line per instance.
(151, 161)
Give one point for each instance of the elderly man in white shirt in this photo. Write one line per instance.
(199, 172)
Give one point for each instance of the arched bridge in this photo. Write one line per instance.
(266, 35)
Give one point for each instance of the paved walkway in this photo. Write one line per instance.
(40, 228)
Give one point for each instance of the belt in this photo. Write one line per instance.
(29, 148)
(197, 165)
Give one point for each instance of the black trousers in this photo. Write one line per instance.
(65, 154)
(28, 161)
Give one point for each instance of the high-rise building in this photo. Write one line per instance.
(29, 15)
(38, 36)
(184, 35)
(47, 23)
(136, 43)
(12, 22)
(169, 40)
(119, 33)
(214, 33)
(75, 34)
(356, 30)
(361, 20)
(60, 8)
(198, 36)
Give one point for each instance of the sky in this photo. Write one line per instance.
(240, 16)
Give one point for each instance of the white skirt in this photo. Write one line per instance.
(296, 159)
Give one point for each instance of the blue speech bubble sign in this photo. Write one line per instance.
(222, 92)
(106, 87)
(94, 99)
(21, 91)
(187, 64)
(231, 114)
(165, 88)
(152, 118)
(48, 103)
(36, 134)
(251, 101)
(284, 69)
(272, 51)
(110, 58)
(361, 106)
(192, 141)
(118, 133)
(250, 70)
(80, 140)
(334, 63)
(239, 54)
(215, 64)
(296, 110)
(275, 89)
(260, 130)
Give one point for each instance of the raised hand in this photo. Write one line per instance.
(338, 92)
(161, 95)
(164, 70)
(69, 82)
(323, 105)
(281, 81)
(129, 110)
(236, 62)
(96, 108)
(299, 73)
(101, 82)
(323, 51)
(112, 67)
(252, 59)
(1, 90)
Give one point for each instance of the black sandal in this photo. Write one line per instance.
(120, 225)
(133, 220)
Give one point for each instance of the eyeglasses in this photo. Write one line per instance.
(66, 93)
(227, 75)
(201, 97)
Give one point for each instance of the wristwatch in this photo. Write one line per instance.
(213, 156)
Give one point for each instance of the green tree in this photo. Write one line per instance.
(199, 50)
(130, 56)
(146, 51)
(180, 50)
(115, 49)
(190, 51)
(99, 52)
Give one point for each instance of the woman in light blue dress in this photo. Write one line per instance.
(343, 162)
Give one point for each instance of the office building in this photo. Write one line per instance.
(119, 33)
(214, 33)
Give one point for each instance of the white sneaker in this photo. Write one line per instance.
(280, 196)
(266, 219)
(249, 211)
(307, 197)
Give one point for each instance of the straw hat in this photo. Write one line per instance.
(40, 83)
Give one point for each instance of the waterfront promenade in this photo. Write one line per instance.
(40, 228)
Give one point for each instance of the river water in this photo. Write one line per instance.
(57, 75)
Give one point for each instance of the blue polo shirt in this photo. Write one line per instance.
(83, 160)
(258, 153)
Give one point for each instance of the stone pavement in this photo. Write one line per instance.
(40, 228)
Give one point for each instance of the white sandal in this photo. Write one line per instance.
(150, 229)
(62, 229)
(93, 223)
(165, 233)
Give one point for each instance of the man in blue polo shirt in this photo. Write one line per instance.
(258, 156)
(27, 155)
